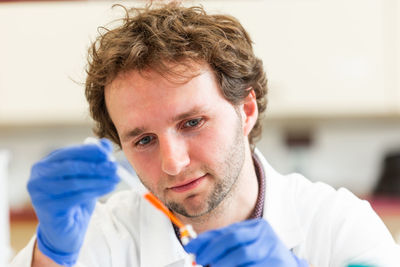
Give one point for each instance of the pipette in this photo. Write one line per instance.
(186, 231)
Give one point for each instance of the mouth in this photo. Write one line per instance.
(191, 184)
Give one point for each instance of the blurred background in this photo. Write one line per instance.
(334, 93)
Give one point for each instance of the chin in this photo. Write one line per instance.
(189, 210)
(195, 211)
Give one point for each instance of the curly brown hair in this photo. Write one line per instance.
(153, 37)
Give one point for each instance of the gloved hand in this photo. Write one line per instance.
(249, 243)
(64, 187)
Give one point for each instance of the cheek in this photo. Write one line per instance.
(210, 144)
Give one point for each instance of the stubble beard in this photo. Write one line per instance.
(231, 166)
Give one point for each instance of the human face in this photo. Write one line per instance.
(184, 140)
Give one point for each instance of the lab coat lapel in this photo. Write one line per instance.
(159, 245)
(278, 211)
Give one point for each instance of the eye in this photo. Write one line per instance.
(193, 123)
(145, 140)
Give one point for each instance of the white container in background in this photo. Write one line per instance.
(5, 249)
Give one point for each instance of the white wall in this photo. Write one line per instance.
(323, 58)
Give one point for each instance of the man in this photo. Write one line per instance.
(181, 92)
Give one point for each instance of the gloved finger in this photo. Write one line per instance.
(196, 245)
(87, 152)
(58, 187)
(64, 202)
(106, 144)
(72, 168)
(81, 197)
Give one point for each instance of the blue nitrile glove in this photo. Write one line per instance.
(249, 243)
(64, 187)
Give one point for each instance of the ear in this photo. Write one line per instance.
(249, 111)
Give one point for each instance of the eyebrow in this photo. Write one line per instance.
(139, 130)
(133, 133)
(190, 113)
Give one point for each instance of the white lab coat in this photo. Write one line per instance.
(328, 228)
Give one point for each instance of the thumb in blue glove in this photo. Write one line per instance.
(64, 188)
(249, 243)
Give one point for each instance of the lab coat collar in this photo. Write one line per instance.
(278, 211)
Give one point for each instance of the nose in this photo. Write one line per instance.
(174, 155)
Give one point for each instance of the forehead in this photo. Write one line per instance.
(152, 87)
(137, 97)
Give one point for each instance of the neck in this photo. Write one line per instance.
(237, 206)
